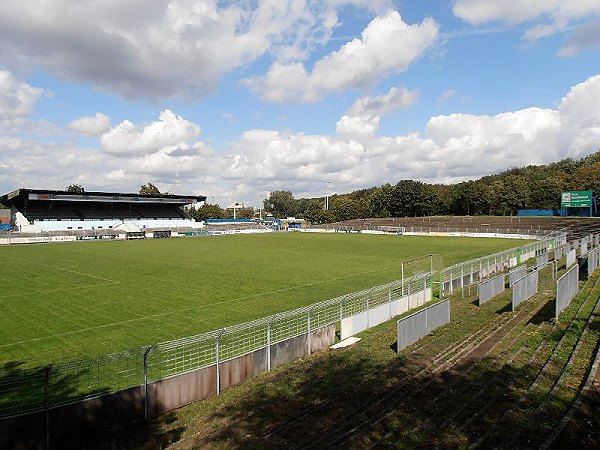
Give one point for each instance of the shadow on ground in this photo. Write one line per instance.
(343, 399)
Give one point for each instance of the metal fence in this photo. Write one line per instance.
(525, 288)
(417, 325)
(474, 271)
(566, 289)
(593, 260)
(560, 252)
(28, 390)
(488, 289)
(516, 274)
(497, 231)
(571, 257)
(541, 261)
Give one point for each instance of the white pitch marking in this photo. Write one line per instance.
(152, 316)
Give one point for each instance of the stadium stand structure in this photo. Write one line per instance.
(575, 226)
(35, 210)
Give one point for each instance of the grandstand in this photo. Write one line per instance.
(35, 210)
(575, 226)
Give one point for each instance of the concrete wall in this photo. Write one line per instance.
(379, 314)
(179, 390)
(69, 421)
(127, 406)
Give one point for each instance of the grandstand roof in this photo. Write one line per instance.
(20, 196)
(51, 204)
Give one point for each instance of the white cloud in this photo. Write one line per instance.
(447, 95)
(580, 117)
(481, 11)
(156, 49)
(356, 126)
(363, 116)
(585, 37)
(168, 132)
(387, 45)
(17, 98)
(452, 148)
(91, 126)
(555, 15)
(395, 99)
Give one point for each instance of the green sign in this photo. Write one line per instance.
(576, 199)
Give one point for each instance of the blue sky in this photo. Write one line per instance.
(236, 99)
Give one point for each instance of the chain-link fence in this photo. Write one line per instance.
(28, 390)
(474, 271)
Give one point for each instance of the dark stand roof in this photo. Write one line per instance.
(50, 204)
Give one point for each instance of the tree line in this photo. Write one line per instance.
(531, 187)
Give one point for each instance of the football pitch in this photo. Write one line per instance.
(69, 301)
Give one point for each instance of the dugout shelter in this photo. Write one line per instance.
(49, 210)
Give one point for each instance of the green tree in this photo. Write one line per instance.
(149, 189)
(380, 200)
(315, 212)
(281, 204)
(429, 201)
(75, 188)
(343, 208)
(588, 178)
(405, 200)
(240, 213)
(208, 211)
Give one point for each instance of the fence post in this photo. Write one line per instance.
(390, 301)
(47, 403)
(146, 382)
(269, 345)
(217, 357)
(367, 304)
(308, 343)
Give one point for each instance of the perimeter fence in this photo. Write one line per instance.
(24, 390)
(474, 271)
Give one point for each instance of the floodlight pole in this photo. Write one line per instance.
(402, 273)
(146, 381)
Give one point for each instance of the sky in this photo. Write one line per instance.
(236, 99)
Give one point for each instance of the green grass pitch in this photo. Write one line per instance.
(69, 301)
